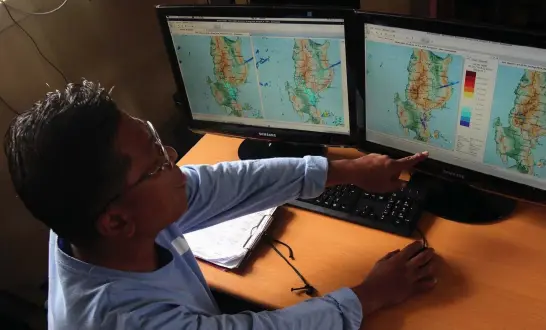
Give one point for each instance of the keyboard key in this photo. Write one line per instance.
(364, 211)
(397, 210)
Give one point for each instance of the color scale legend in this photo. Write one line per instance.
(466, 115)
(469, 83)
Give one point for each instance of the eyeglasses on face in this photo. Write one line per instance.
(168, 156)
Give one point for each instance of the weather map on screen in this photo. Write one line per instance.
(475, 106)
(421, 84)
(517, 136)
(265, 78)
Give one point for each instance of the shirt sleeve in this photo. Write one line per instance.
(232, 189)
(340, 310)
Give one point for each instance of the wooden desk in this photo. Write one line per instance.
(493, 276)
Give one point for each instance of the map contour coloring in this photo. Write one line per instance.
(518, 121)
(281, 79)
(300, 79)
(312, 75)
(230, 72)
(424, 87)
(220, 75)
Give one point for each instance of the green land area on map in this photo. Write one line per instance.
(313, 74)
(427, 90)
(520, 139)
(230, 72)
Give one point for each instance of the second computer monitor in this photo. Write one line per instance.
(474, 97)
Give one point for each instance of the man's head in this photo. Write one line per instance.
(91, 172)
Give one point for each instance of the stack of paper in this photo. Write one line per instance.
(227, 244)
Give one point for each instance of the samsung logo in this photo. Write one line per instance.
(457, 175)
(267, 134)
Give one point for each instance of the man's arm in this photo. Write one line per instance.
(340, 310)
(231, 189)
(394, 278)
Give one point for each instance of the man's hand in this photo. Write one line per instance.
(396, 277)
(373, 172)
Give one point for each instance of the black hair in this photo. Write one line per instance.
(64, 160)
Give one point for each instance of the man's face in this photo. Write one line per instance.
(155, 194)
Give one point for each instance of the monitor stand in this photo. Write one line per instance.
(459, 202)
(257, 149)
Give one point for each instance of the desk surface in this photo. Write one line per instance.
(492, 277)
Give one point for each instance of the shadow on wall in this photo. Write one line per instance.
(117, 43)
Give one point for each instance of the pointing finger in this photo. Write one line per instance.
(410, 161)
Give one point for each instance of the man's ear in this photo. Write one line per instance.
(113, 223)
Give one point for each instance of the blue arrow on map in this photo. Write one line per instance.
(451, 83)
(337, 63)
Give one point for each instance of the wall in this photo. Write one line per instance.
(387, 6)
(114, 41)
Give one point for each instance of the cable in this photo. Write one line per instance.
(12, 109)
(290, 252)
(42, 13)
(307, 288)
(423, 238)
(34, 42)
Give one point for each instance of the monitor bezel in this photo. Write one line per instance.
(438, 168)
(258, 132)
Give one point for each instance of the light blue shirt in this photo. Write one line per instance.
(176, 296)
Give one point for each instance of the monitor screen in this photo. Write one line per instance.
(286, 73)
(475, 104)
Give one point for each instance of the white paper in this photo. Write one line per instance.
(226, 244)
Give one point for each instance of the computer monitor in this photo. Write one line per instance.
(473, 96)
(277, 76)
(353, 4)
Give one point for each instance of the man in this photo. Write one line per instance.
(118, 208)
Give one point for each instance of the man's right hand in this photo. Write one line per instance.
(396, 277)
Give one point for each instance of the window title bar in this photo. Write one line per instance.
(259, 20)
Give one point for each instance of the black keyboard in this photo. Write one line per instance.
(396, 213)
